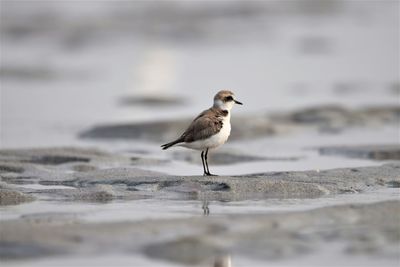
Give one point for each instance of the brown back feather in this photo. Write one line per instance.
(208, 123)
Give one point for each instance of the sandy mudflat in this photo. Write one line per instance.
(100, 175)
(75, 175)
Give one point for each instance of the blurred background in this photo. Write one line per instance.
(69, 65)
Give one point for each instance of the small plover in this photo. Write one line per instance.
(210, 129)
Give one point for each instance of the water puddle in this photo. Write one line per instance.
(43, 187)
(145, 209)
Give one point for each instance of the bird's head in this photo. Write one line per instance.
(225, 100)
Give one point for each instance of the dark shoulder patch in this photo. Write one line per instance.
(224, 112)
(220, 112)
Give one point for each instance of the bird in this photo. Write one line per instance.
(210, 129)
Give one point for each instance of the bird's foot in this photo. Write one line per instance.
(209, 174)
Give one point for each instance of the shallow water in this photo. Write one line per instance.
(326, 257)
(160, 208)
(153, 209)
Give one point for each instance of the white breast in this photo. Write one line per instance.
(221, 137)
(214, 141)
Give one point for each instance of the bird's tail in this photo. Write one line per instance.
(168, 145)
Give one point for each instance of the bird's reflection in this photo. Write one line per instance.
(206, 210)
(223, 261)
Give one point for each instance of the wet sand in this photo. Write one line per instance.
(106, 175)
(75, 175)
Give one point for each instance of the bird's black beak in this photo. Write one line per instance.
(237, 102)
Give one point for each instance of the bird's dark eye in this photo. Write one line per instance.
(228, 98)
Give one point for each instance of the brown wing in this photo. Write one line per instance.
(205, 125)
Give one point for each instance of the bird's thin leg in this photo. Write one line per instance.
(204, 166)
(208, 170)
(205, 157)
